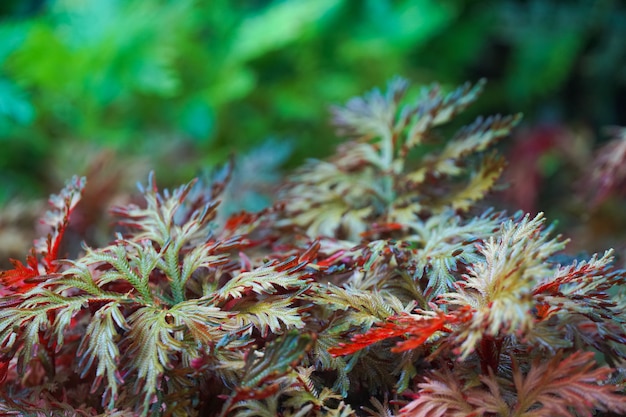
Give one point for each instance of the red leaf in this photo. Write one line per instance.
(384, 228)
(237, 220)
(14, 279)
(42, 259)
(416, 329)
(331, 259)
(361, 341)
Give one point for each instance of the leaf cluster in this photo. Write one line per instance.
(376, 278)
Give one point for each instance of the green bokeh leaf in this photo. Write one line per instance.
(276, 26)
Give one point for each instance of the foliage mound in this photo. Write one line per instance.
(375, 285)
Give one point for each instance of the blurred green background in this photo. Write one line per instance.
(178, 86)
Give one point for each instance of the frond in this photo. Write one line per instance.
(100, 343)
(373, 114)
(499, 289)
(381, 409)
(272, 313)
(566, 387)
(445, 244)
(177, 224)
(125, 261)
(168, 216)
(57, 219)
(303, 397)
(158, 337)
(22, 326)
(417, 328)
(480, 183)
(19, 333)
(581, 288)
(363, 307)
(153, 343)
(582, 298)
(368, 182)
(200, 323)
(207, 255)
(435, 109)
(133, 264)
(351, 310)
(76, 276)
(442, 394)
(474, 138)
(376, 114)
(328, 201)
(45, 253)
(290, 274)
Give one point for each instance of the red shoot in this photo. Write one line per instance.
(417, 330)
(42, 259)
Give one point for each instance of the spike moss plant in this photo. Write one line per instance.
(377, 284)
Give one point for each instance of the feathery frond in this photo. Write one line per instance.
(566, 387)
(374, 276)
(45, 253)
(499, 289)
(369, 181)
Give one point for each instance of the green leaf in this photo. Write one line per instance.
(288, 21)
(289, 274)
(100, 342)
(270, 314)
(14, 104)
(152, 346)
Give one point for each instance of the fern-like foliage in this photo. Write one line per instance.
(45, 253)
(376, 280)
(164, 308)
(385, 184)
(373, 181)
(509, 311)
(559, 387)
(499, 289)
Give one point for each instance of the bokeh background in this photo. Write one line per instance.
(115, 88)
